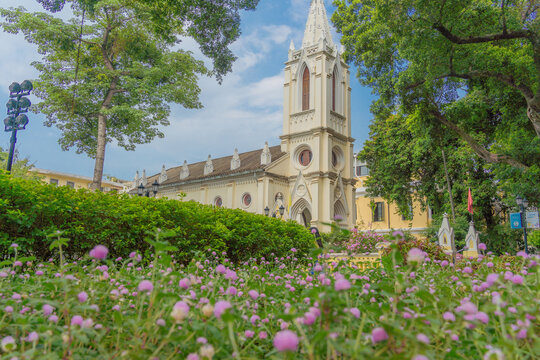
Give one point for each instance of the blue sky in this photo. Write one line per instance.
(243, 112)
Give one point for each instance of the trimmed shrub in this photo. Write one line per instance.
(31, 210)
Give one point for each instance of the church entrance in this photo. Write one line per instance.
(301, 212)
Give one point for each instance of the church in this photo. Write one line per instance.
(308, 177)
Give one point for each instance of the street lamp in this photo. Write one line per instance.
(140, 189)
(266, 211)
(155, 187)
(17, 105)
(523, 204)
(281, 210)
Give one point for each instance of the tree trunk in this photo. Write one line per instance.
(100, 152)
(534, 116)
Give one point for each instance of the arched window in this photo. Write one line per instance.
(305, 90)
(334, 91)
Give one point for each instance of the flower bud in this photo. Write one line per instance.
(207, 351)
(207, 310)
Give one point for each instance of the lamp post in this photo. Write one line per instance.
(155, 187)
(140, 189)
(281, 211)
(523, 204)
(17, 105)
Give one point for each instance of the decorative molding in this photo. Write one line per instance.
(266, 156)
(209, 166)
(144, 181)
(235, 161)
(184, 172)
(163, 175)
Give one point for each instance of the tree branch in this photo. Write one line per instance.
(480, 150)
(519, 34)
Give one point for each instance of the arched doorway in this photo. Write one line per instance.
(301, 212)
(340, 214)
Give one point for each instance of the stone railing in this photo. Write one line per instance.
(336, 122)
(302, 121)
(361, 261)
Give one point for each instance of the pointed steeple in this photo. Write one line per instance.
(163, 175)
(235, 161)
(317, 26)
(137, 178)
(184, 173)
(144, 181)
(266, 156)
(209, 166)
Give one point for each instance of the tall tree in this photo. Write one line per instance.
(111, 76)
(445, 58)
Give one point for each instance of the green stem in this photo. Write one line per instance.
(232, 339)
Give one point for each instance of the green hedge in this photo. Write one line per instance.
(31, 210)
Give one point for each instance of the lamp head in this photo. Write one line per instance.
(266, 211)
(21, 121)
(11, 105)
(24, 103)
(155, 186)
(519, 200)
(281, 210)
(140, 189)
(525, 203)
(15, 88)
(27, 86)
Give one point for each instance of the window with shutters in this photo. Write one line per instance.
(305, 90)
(378, 212)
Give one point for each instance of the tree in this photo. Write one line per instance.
(456, 61)
(21, 167)
(111, 76)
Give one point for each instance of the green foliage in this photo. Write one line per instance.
(111, 77)
(20, 168)
(444, 71)
(402, 246)
(30, 212)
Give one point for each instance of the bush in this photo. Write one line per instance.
(30, 211)
(433, 250)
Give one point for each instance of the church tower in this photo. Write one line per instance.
(317, 127)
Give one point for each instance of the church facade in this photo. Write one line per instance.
(309, 175)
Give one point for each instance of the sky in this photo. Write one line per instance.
(243, 112)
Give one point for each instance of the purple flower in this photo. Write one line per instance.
(146, 285)
(482, 246)
(8, 344)
(184, 283)
(253, 294)
(355, 312)
(47, 309)
(77, 320)
(32, 337)
(492, 278)
(378, 334)
(483, 317)
(415, 255)
(420, 357)
(192, 356)
(220, 308)
(423, 338)
(249, 334)
(448, 316)
(82, 296)
(286, 340)
(99, 252)
(467, 270)
(517, 279)
(342, 284)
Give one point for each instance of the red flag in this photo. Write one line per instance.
(470, 202)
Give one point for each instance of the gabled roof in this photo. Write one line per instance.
(249, 161)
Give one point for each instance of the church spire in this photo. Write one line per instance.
(317, 26)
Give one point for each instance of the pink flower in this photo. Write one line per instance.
(517, 279)
(448, 316)
(286, 340)
(8, 309)
(253, 294)
(263, 335)
(342, 284)
(77, 320)
(423, 338)
(82, 296)
(53, 318)
(492, 278)
(184, 283)
(415, 255)
(378, 334)
(249, 333)
(232, 291)
(221, 269)
(483, 317)
(146, 285)
(32, 337)
(192, 356)
(355, 312)
(99, 252)
(47, 309)
(420, 357)
(309, 318)
(482, 246)
(220, 308)
(467, 270)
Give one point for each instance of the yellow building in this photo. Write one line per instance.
(75, 181)
(377, 215)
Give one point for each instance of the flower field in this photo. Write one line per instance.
(135, 308)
